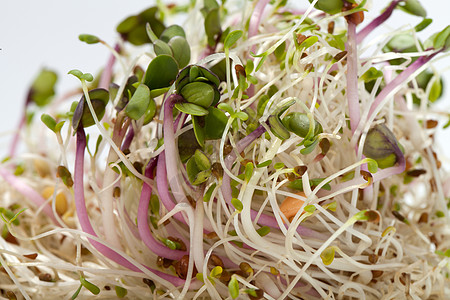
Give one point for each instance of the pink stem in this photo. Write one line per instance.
(28, 192)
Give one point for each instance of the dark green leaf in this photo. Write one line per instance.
(65, 175)
(82, 114)
(199, 129)
(215, 122)
(262, 231)
(264, 164)
(172, 31)
(133, 28)
(191, 109)
(195, 174)
(371, 74)
(181, 50)
(199, 93)
(150, 112)
(402, 43)
(187, 144)
(277, 128)
(329, 6)
(201, 160)
(139, 102)
(299, 124)
(161, 47)
(161, 72)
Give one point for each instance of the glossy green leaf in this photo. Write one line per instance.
(181, 50)
(264, 164)
(171, 32)
(299, 124)
(199, 129)
(201, 160)
(89, 38)
(232, 38)
(413, 7)
(42, 89)
(277, 128)
(210, 75)
(158, 92)
(139, 102)
(150, 112)
(161, 48)
(248, 171)
(329, 6)
(215, 122)
(191, 109)
(199, 93)
(161, 72)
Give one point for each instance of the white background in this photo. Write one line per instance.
(44, 33)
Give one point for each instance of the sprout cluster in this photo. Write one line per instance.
(255, 152)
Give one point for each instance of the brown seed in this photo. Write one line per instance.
(216, 261)
(373, 258)
(227, 149)
(10, 295)
(304, 54)
(240, 71)
(376, 273)
(45, 277)
(116, 192)
(259, 295)
(107, 287)
(416, 172)
(301, 38)
(217, 170)
(31, 256)
(309, 67)
(149, 283)
(181, 267)
(331, 27)
(300, 170)
(340, 56)
(225, 276)
(431, 124)
(423, 218)
(245, 267)
(355, 18)
(211, 235)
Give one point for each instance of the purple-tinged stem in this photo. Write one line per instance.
(376, 22)
(142, 220)
(255, 19)
(400, 79)
(128, 139)
(83, 217)
(171, 149)
(352, 77)
(106, 76)
(163, 187)
(263, 219)
(28, 192)
(15, 141)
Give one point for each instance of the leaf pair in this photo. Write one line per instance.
(173, 42)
